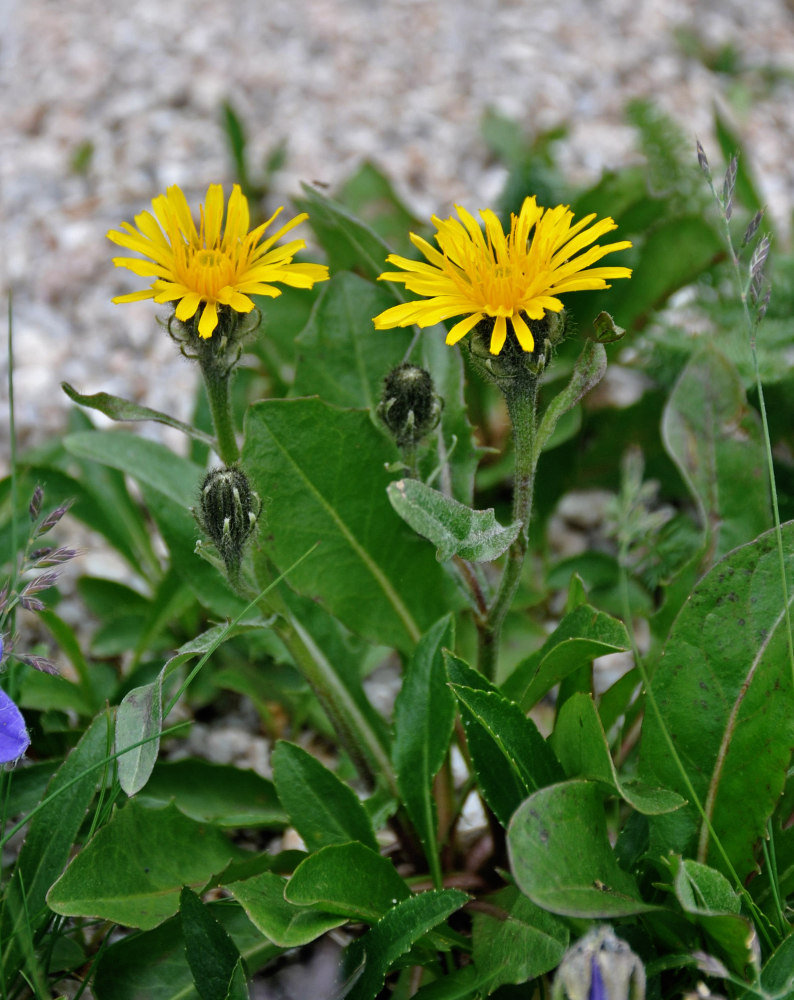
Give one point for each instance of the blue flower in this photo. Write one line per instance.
(14, 739)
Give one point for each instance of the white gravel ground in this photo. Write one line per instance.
(403, 82)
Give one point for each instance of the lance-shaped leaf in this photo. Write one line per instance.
(321, 473)
(587, 372)
(581, 747)
(561, 857)
(139, 717)
(211, 953)
(124, 409)
(723, 691)
(424, 714)
(393, 936)
(454, 528)
(323, 809)
(714, 437)
(508, 754)
(582, 635)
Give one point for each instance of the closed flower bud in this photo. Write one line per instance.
(228, 512)
(600, 966)
(410, 407)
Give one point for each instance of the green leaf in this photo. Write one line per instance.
(708, 897)
(455, 529)
(581, 636)
(561, 858)
(457, 453)
(147, 461)
(777, 977)
(51, 834)
(133, 868)
(152, 965)
(139, 717)
(677, 250)
(723, 690)
(508, 754)
(123, 409)
(211, 954)
(283, 923)
(424, 714)
(322, 808)
(581, 747)
(220, 794)
(394, 935)
(44, 692)
(324, 882)
(515, 940)
(369, 194)
(715, 440)
(322, 473)
(587, 372)
(341, 357)
(349, 243)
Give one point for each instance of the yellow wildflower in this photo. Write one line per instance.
(214, 265)
(513, 277)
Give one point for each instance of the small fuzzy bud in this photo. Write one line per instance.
(53, 518)
(752, 228)
(41, 582)
(51, 557)
(728, 186)
(703, 160)
(40, 663)
(31, 603)
(35, 503)
(600, 966)
(228, 512)
(606, 329)
(409, 407)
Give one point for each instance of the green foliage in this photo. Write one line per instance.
(617, 754)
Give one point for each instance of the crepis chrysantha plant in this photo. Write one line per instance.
(408, 561)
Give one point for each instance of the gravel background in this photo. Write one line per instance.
(404, 83)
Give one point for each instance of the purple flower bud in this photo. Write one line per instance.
(35, 503)
(53, 518)
(702, 160)
(40, 663)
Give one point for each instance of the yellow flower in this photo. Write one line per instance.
(215, 265)
(517, 276)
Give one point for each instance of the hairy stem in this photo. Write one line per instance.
(521, 397)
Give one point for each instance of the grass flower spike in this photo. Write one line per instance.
(213, 265)
(492, 275)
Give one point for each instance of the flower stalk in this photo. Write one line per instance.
(521, 396)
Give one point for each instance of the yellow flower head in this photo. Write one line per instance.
(216, 264)
(517, 276)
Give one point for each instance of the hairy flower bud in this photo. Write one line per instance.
(227, 512)
(513, 362)
(410, 407)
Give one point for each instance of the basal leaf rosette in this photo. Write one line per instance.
(495, 276)
(215, 265)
